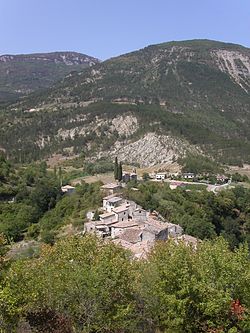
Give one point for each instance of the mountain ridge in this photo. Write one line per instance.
(79, 57)
(198, 93)
(22, 74)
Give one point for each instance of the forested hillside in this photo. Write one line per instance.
(193, 95)
(26, 73)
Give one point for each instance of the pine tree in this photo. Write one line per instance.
(120, 171)
(116, 167)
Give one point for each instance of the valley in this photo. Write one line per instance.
(125, 190)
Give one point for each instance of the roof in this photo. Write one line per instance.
(114, 199)
(110, 186)
(140, 209)
(102, 223)
(122, 242)
(141, 249)
(187, 239)
(67, 187)
(126, 224)
(131, 235)
(156, 225)
(105, 215)
(120, 209)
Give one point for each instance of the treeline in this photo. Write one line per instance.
(199, 164)
(82, 284)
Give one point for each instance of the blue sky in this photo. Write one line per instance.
(106, 28)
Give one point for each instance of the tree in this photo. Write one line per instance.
(15, 218)
(84, 281)
(120, 172)
(116, 167)
(145, 176)
(187, 290)
(3, 250)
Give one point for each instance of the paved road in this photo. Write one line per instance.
(210, 187)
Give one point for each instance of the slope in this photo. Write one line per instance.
(196, 92)
(22, 74)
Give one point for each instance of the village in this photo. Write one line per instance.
(125, 223)
(129, 225)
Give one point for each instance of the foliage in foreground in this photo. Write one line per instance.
(87, 285)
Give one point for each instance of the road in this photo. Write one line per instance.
(210, 187)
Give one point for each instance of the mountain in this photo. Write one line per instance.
(149, 106)
(25, 73)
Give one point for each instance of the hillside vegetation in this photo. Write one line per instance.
(193, 95)
(23, 74)
(87, 285)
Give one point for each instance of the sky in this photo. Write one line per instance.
(107, 28)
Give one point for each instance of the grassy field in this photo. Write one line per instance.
(104, 177)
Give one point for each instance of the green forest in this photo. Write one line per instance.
(82, 284)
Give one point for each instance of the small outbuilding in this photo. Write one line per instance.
(67, 189)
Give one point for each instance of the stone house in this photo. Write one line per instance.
(111, 188)
(111, 202)
(121, 213)
(108, 217)
(174, 230)
(118, 228)
(139, 214)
